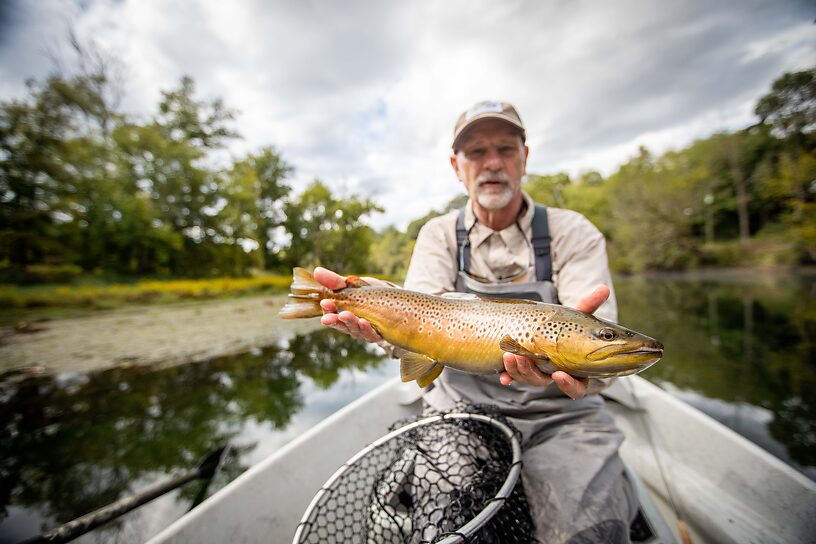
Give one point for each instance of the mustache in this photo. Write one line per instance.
(487, 177)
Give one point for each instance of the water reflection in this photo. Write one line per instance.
(750, 345)
(72, 443)
(745, 353)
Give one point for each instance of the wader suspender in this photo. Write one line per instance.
(540, 242)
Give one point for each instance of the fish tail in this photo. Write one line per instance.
(307, 294)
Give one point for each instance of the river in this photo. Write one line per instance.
(741, 347)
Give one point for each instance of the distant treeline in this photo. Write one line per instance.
(744, 198)
(86, 189)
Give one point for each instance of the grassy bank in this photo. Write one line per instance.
(47, 301)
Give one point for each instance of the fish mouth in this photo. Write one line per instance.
(658, 352)
(635, 354)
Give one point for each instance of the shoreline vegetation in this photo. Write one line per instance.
(90, 192)
(85, 328)
(23, 306)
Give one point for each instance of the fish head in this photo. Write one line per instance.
(587, 346)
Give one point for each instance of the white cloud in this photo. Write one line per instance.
(364, 94)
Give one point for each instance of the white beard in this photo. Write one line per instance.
(492, 200)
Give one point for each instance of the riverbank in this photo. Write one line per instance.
(146, 335)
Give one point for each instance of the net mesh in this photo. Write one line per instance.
(424, 485)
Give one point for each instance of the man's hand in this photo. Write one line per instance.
(345, 322)
(524, 370)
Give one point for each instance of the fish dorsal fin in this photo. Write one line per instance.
(426, 379)
(455, 295)
(502, 300)
(472, 297)
(414, 365)
(511, 345)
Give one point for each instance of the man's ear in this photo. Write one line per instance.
(524, 164)
(455, 166)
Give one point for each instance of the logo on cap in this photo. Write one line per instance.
(483, 107)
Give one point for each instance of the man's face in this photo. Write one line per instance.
(491, 161)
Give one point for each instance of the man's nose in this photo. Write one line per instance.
(493, 160)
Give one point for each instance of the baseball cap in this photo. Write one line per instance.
(487, 109)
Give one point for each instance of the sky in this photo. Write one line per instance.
(364, 94)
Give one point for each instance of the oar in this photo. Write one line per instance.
(206, 468)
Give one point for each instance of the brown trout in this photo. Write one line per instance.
(471, 333)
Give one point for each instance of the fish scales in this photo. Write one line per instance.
(471, 334)
(458, 333)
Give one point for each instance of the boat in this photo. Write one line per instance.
(682, 463)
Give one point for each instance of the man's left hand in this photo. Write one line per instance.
(524, 370)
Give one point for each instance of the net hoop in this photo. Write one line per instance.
(469, 528)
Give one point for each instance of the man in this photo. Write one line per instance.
(502, 244)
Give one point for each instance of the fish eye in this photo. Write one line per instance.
(607, 334)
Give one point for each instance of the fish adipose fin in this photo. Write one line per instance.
(307, 293)
(415, 366)
(356, 281)
(511, 345)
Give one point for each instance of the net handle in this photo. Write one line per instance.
(468, 528)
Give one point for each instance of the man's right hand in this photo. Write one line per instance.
(345, 321)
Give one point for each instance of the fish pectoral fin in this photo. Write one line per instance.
(426, 379)
(545, 366)
(511, 345)
(414, 366)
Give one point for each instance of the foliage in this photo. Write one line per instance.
(391, 252)
(790, 107)
(85, 187)
(328, 231)
(745, 198)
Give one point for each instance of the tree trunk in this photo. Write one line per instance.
(740, 183)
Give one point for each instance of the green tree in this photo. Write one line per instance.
(255, 191)
(391, 252)
(57, 168)
(589, 195)
(790, 106)
(202, 124)
(31, 135)
(548, 189)
(654, 206)
(329, 231)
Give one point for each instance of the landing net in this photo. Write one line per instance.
(447, 478)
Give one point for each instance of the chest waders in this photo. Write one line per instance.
(571, 470)
(542, 290)
(517, 399)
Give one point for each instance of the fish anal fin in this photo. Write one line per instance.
(426, 379)
(414, 366)
(511, 345)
